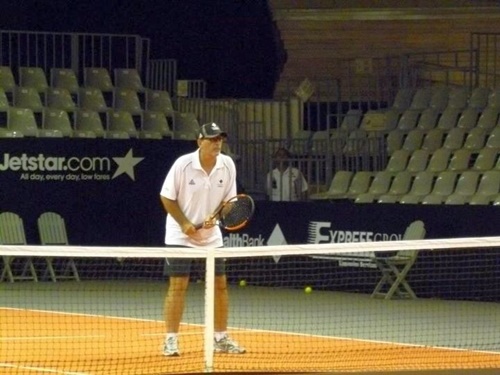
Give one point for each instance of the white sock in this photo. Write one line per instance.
(220, 335)
(170, 334)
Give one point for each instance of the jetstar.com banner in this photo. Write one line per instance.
(107, 190)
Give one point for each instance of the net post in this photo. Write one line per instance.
(209, 311)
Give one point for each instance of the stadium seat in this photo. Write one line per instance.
(89, 121)
(445, 183)
(433, 199)
(117, 134)
(122, 121)
(428, 119)
(66, 79)
(460, 160)
(388, 198)
(351, 120)
(12, 233)
(129, 79)
(493, 140)
(33, 77)
(60, 98)
(486, 159)
(479, 98)
(157, 122)
(394, 269)
(380, 184)
(7, 133)
(408, 120)
(458, 97)
(422, 184)
(98, 78)
(466, 184)
(186, 126)
(28, 97)
(359, 184)
(456, 199)
(489, 185)
(127, 100)
(475, 139)
(398, 161)
(494, 99)
(338, 187)
(319, 142)
(418, 161)
(52, 232)
(479, 199)
(403, 99)
(394, 141)
(380, 121)
(422, 98)
(488, 118)
(454, 139)
(22, 120)
(4, 108)
(413, 140)
(365, 198)
(410, 199)
(93, 99)
(400, 184)
(468, 119)
(433, 140)
(7, 80)
(159, 101)
(57, 119)
(439, 160)
(448, 119)
(439, 98)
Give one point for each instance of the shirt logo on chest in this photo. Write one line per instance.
(192, 182)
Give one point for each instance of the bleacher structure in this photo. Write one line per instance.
(418, 127)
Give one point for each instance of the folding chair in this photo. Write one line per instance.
(12, 233)
(52, 231)
(395, 268)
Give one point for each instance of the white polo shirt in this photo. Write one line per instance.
(198, 195)
(286, 186)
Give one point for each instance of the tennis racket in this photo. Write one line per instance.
(233, 214)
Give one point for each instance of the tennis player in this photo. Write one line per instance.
(194, 187)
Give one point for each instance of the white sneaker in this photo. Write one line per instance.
(171, 347)
(227, 345)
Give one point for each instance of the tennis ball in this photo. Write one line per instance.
(308, 290)
(243, 283)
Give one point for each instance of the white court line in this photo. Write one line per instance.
(259, 330)
(41, 369)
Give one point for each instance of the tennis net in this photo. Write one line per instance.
(370, 306)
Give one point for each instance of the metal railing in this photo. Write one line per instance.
(73, 50)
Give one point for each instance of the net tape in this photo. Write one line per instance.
(251, 251)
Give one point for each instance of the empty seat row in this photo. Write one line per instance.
(22, 122)
(365, 186)
(63, 78)
(87, 98)
(434, 139)
(444, 159)
(440, 98)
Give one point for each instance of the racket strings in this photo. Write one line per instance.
(238, 212)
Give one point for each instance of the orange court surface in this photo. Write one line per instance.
(43, 342)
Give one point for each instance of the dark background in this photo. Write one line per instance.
(230, 44)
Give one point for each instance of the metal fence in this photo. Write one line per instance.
(73, 50)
